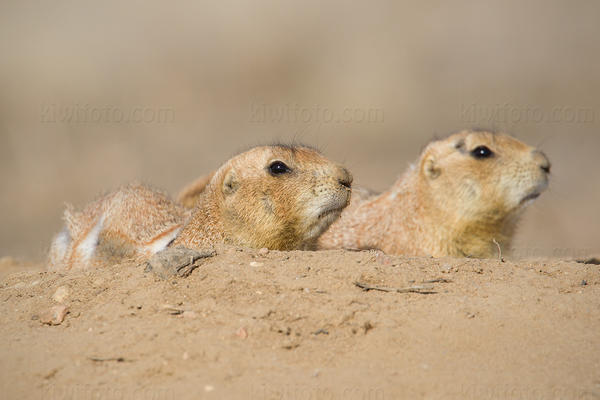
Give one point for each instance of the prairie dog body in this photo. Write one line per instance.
(463, 193)
(279, 197)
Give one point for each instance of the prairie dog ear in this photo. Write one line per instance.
(189, 194)
(429, 167)
(230, 183)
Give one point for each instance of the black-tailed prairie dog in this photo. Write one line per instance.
(463, 195)
(279, 197)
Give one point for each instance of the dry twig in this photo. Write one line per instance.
(421, 289)
(117, 359)
(499, 250)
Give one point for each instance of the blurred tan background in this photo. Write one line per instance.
(97, 94)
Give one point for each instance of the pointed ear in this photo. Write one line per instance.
(230, 183)
(189, 194)
(429, 167)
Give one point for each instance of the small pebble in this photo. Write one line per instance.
(61, 293)
(171, 309)
(18, 285)
(189, 314)
(263, 252)
(383, 259)
(54, 316)
(185, 355)
(98, 282)
(256, 264)
(209, 388)
(242, 333)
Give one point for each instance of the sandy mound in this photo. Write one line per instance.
(293, 325)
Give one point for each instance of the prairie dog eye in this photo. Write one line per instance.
(278, 168)
(480, 152)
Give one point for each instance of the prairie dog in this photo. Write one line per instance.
(463, 193)
(279, 197)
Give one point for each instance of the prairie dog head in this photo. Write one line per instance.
(481, 176)
(279, 197)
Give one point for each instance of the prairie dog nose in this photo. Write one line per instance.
(344, 177)
(542, 160)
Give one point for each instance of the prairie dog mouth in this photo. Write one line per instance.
(324, 219)
(331, 211)
(334, 205)
(534, 193)
(530, 197)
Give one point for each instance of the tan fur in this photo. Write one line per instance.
(243, 204)
(123, 224)
(448, 203)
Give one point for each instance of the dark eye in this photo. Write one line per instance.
(481, 152)
(278, 168)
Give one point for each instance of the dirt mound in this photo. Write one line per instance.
(294, 325)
